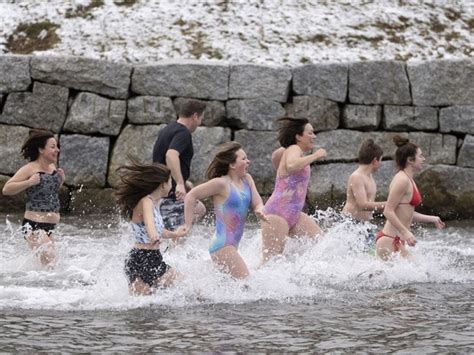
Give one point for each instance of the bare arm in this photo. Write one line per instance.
(23, 179)
(173, 163)
(360, 196)
(61, 176)
(257, 203)
(419, 217)
(294, 161)
(276, 157)
(174, 235)
(149, 220)
(210, 188)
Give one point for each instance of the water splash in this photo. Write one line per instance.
(89, 273)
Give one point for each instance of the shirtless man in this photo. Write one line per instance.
(361, 187)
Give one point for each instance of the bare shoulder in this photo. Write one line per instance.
(26, 171)
(137, 215)
(249, 179)
(400, 180)
(276, 157)
(353, 174)
(219, 186)
(219, 182)
(278, 151)
(293, 149)
(356, 177)
(401, 177)
(145, 201)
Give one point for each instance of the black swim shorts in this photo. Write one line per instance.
(28, 226)
(145, 264)
(172, 212)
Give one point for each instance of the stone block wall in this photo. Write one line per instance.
(103, 112)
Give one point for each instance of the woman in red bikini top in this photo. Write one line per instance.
(403, 197)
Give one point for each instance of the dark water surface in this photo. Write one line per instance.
(326, 296)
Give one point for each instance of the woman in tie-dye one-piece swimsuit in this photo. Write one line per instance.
(284, 207)
(233, 191)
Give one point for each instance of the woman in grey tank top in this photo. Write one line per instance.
(41, 180)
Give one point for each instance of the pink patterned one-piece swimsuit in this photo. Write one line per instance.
(288, 197)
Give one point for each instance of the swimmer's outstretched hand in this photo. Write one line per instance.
(34, 179)
(180, 192)
(155, 242)
(62, 177)
(320, 153)
(260, 213)
(175, 235)
(410, 239)
(439, 224)
(181, 231)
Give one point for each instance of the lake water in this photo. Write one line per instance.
(320, 296)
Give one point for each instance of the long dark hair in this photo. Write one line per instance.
(225, 156)
(405, 150)
(290, 127)
(37, 139)
(137, 181)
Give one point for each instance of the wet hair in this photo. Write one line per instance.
(137, 181)
(289, 128)
(225, 156)
(405, 150)
(190, 107)
(37, 139)
(368, 151)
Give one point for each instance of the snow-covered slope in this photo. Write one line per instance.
(284, 32)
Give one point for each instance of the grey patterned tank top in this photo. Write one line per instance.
(44, 197)
(139, 230)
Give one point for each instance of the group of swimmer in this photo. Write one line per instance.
(161, 203)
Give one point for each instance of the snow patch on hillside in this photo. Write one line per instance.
(263, 32)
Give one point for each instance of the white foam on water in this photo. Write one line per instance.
(89, 273)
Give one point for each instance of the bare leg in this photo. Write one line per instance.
(139, 288)
(306, 226)
(404, 252)
(274, 234)
(385, 250)
(43, 246)
(169, 278)
(229, 259)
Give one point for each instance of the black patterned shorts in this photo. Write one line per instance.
(28, 226)
(172, 212)
(146, 265)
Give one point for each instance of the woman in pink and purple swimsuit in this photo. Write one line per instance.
(284, 207)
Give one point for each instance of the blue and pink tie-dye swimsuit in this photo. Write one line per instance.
(230, 217)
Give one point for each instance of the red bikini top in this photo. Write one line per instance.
(415, 197)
